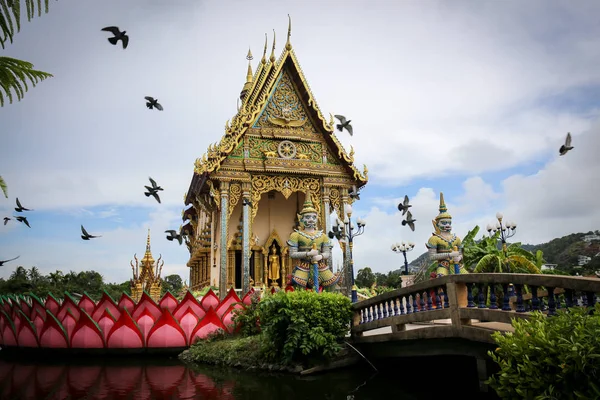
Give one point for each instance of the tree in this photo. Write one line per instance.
(172, 283)
(15, 73)
(4, 187)
(365, 277)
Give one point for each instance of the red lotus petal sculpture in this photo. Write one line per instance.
(29, 322)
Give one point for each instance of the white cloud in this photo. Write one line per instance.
(432, 90)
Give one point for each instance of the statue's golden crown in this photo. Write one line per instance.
(308, 206)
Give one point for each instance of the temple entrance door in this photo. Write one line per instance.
(238, 270)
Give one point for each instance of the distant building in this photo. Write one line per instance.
(583, 260)
(590, 238)
(549, 267)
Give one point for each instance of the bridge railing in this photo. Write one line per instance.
(484, 297)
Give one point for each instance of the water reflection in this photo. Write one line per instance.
(169, 379)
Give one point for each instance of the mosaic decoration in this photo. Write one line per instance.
(285, 109)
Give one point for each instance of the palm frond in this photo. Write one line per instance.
(470, 236)
(4, 187)
(520, 264)
(14, 75)
(10, 16)
(521, 252)
(489, 263)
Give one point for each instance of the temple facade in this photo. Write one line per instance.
(247, 189)
(146, 275)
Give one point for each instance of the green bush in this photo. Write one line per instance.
(304, 326)
(554, 357)
(247, 319)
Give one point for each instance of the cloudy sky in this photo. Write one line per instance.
(469, 98)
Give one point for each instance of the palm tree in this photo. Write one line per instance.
(4, 188)
(15, 73)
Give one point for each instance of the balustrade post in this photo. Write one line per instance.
(457, 298)
(356, 317)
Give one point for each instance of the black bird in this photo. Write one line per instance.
(154, 194)
(6, 219)
(344, 124)
(118, 36)
(20, 208)
(23, 220)
(87, 236)
(409, 221)
(567, 146)
(5, 261)
(404, 206)
(154, 187)
(354, 193)
(153, 103)
(173, 235)
(246, 202)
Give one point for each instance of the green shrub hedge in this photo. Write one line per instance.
(298, 327)
(555, 357)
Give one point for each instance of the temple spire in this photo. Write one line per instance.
(248, 83)
(148, 243)
(288, 44)
(264, 57)
(272, 58)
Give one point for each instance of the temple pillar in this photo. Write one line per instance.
(245, 239)
(327, 223)
(224, 230)
(346, 254)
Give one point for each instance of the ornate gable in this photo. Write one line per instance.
(285, 109)
(278, 108)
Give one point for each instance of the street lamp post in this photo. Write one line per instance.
(507, 230)
(403, 248)
(344, 231)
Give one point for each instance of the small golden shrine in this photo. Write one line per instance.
(148, 279)
(248, 188)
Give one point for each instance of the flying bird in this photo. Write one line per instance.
(23, 220)
(173, 235)
(154, 194)
(344, 124)
(404, 205)
(354, 193)
(567, 146)
(409, 221)
(20, 208)
(153, 103)
(118, 36)
(87, 236)
(154, 187)
(5, 261)
(6, 219)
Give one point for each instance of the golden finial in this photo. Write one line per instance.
(288, 45)
(272, 58)
(148, 242)
(248, 83)
(264, 57)
(443, 207)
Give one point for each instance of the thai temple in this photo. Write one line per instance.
(248, 189)
(146, 275)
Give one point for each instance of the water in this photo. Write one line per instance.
(167, 378)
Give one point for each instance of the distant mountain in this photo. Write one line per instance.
(566, 250)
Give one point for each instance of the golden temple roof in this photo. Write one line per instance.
(255, 95)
